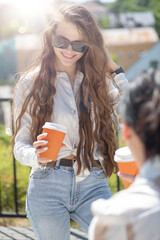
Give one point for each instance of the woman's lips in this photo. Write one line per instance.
(67, 56)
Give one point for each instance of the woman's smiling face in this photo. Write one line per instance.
(67, 57)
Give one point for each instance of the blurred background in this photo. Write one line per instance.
(131, 31)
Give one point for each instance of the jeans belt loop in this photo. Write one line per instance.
(57, 164)
(91, 167)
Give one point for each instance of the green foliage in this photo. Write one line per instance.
(130, 6)
(114, 57)
(139, 5)
(7, 180)
(4, 138)
(103, 22)
(154, 5)
(113, 181)
(143, 3)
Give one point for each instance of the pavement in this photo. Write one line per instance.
(26, 233)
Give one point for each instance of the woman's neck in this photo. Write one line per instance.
(138, 150)
(70, 71)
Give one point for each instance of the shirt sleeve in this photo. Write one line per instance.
(24, 151)
(106, 224)
(107, 227)
(116, 88)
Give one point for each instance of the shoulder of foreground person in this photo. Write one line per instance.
(142, 226)
(139, 197)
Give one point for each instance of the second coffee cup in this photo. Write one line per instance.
(126, 163)
(55, 137)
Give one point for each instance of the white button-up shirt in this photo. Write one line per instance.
(65, 112)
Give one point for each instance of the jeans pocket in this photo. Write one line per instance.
(98, 173)
(41, 173)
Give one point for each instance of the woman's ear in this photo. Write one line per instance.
(126, 131)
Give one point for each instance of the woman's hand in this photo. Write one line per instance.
(40, 147)
(127, 177)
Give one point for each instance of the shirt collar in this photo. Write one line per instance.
(151, 168)
(78, 79)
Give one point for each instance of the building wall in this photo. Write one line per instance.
(128, 54)
(147, 62)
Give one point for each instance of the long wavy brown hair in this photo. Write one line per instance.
(93, 90)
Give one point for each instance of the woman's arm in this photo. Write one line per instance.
(116, 80)
(24, 151)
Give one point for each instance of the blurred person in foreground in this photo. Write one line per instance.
(134, 213)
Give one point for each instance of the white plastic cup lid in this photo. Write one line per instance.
(55, 126)
(123, 155)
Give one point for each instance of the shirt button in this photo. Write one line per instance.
(74, 111)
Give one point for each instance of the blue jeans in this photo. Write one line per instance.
(54, 197)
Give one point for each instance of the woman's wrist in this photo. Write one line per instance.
(117, 71)
(113, 68)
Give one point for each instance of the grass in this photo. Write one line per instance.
(7, 187)
(7, 180)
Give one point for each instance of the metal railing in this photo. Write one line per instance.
(17, 213)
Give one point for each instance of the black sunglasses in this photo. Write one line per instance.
(60, 42)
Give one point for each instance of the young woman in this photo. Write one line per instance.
(135, 212)
(68, 86)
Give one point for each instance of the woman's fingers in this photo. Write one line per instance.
(127, 177)
(41, 159)
(40, 143)
(40, 150)
(40, 147)
(42, 136)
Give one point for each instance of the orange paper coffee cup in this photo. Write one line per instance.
(126, 163)
(55, 137)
